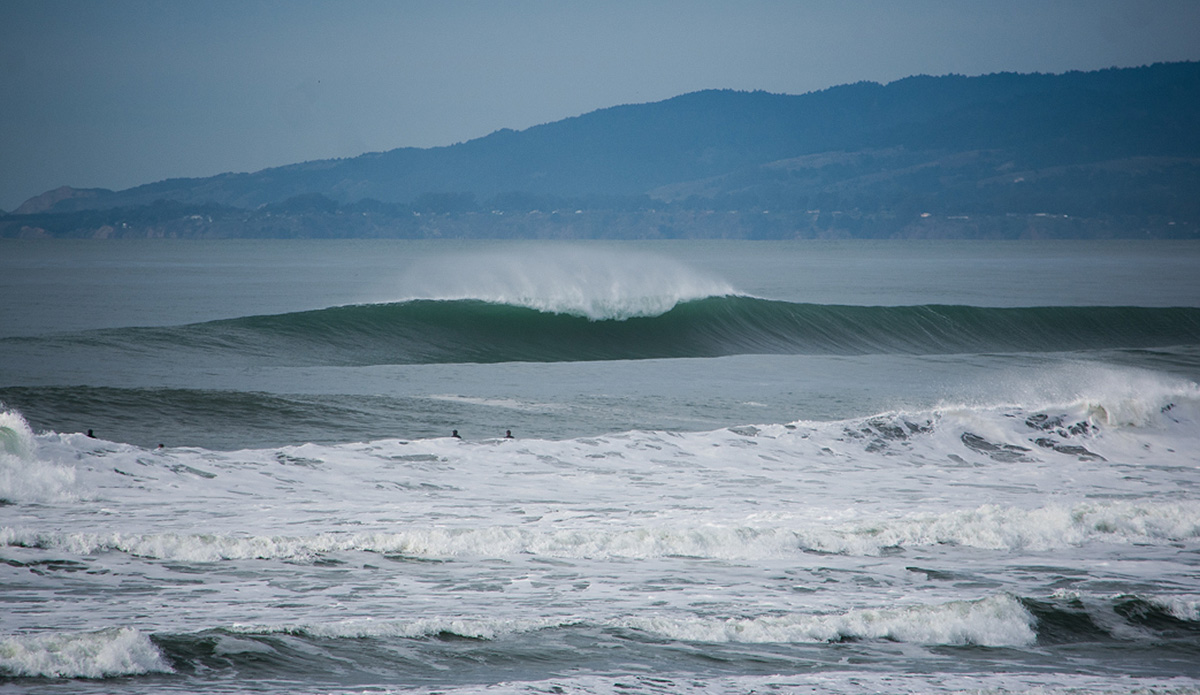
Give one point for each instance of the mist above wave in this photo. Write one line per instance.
(593, 283)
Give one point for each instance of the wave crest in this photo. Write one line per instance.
(23, 478)
(100, 654)
(997, 621)
(1000, 620)
(472, 628)
(988, 527)
(589, 283)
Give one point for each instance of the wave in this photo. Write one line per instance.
(230, 420)
(359, 628)
(23, 478)
(1080, 413)
(99, 654)
(996, 621)
(1086, 419)
(225, 419)
(426, 331)
(841, 681)
(988, 527)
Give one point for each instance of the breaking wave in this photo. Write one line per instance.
(99, 654)
(24, 478)
(987, 527)
(427, 331)
(994, 621)
(998, 621)
(590, 283)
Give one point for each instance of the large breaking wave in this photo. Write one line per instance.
(427, 331)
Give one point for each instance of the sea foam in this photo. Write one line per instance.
(100, 654)
(471, 627)
(836, 682)
(988, 527)
(993, 621)
(996, 621)
(1186, 608)
(23, 477)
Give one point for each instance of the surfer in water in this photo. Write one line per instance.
(508, 434)
(455, 434)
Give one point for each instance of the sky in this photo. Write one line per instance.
(117, 93)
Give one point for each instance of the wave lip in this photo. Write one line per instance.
(101, 654)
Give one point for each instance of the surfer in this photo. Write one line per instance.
(455, 434)
(508, 434)
(91, 435)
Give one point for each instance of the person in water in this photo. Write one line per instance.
(455, 434)
(508, 434)
(91, 435)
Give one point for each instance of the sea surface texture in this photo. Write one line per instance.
(836, 467)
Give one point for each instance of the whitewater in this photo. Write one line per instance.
(845, 467)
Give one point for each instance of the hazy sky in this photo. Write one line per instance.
(113, 93)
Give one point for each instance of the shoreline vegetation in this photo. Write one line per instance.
(1106, 154)
(175, 221)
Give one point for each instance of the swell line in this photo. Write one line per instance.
(454, 331)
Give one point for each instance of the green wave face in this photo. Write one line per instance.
(449, 331)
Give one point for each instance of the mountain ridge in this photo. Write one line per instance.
(1114, 144)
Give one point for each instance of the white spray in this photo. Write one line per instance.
(592, 283)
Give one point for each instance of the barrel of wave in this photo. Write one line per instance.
(24, 478)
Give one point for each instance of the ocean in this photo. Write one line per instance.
(775, 467)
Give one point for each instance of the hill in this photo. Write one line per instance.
(1107, 153)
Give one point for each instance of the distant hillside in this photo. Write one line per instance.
(1118, 148)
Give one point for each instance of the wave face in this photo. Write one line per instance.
(429, 331)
